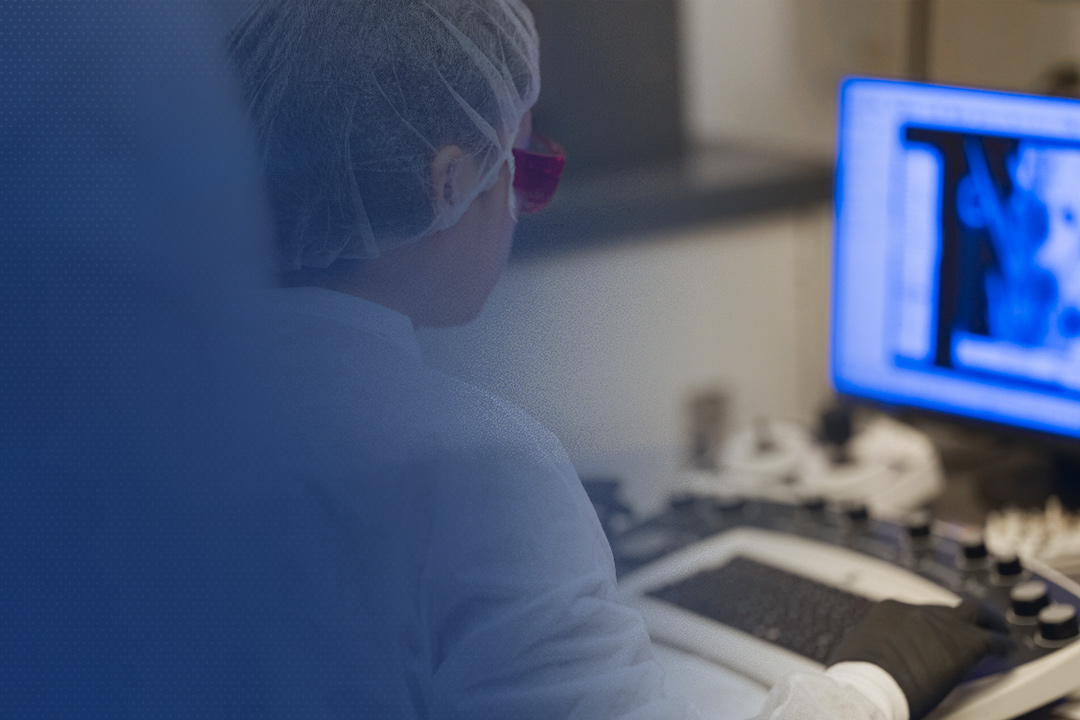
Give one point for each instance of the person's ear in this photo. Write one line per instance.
(446, 168)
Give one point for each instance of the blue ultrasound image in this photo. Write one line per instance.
(1006, 286)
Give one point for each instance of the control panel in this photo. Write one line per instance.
(767, 588)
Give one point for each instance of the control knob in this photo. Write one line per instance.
(1009, 569)
(973, 553)
(1027, 600)
(1057, 623)
(918, 526)
(857, 513)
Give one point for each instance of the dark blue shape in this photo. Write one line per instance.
(1069, 322)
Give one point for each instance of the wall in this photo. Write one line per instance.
(1006, 44)
(604, 346)
(766, 71)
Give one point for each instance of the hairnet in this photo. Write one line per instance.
(352, 99)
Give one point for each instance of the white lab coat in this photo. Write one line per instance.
(502, 581)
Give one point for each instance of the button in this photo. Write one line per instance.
(919, 538)
(1009, 567)
(973, 547)
(1027, 600)
(1057, 622)
(814, 504)
(973, 554)
(918, 526)
(857, 513)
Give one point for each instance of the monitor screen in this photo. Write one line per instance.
(957, 253)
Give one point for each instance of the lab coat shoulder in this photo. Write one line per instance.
(516, 453)
(507, 494)
(524, 610)
(471, 527)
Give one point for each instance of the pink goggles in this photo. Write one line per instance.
(536, 173)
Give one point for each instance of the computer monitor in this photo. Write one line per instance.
(957, 253)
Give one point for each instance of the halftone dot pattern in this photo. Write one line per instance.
(91, 380)
(68, 202)
(142, 573)
(155, 561)
(67, 197)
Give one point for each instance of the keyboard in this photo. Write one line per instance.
(794, 612)
(767, 588)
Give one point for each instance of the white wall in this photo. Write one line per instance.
(604, 346)
(766, 71)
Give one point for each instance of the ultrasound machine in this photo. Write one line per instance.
(956, 291)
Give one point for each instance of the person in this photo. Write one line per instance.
(437, 538)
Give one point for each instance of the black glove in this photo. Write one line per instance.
(927, 649)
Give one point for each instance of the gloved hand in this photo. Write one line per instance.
(927, 649)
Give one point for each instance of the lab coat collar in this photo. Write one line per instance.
(352, 311)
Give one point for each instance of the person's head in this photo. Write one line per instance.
(386, 129)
